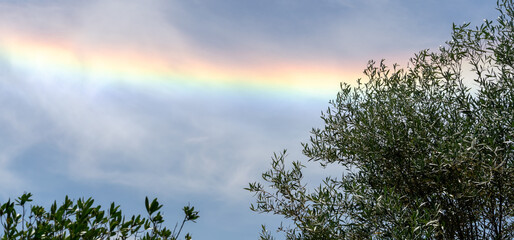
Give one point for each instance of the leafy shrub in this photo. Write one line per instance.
(81, 220)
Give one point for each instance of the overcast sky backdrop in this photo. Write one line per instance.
(187, 100)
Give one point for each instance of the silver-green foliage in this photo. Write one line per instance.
(427, 157)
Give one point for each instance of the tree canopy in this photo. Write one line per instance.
(428, 149)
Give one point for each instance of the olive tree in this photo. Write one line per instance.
(428, 149)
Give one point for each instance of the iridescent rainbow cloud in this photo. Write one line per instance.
(61, 55)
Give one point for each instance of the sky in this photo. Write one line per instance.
(187, 101)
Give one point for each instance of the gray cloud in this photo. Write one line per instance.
(61, 130)
(135, 138)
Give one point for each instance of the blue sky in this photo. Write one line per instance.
(82, 134)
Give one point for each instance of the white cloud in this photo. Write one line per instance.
(102, 136)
